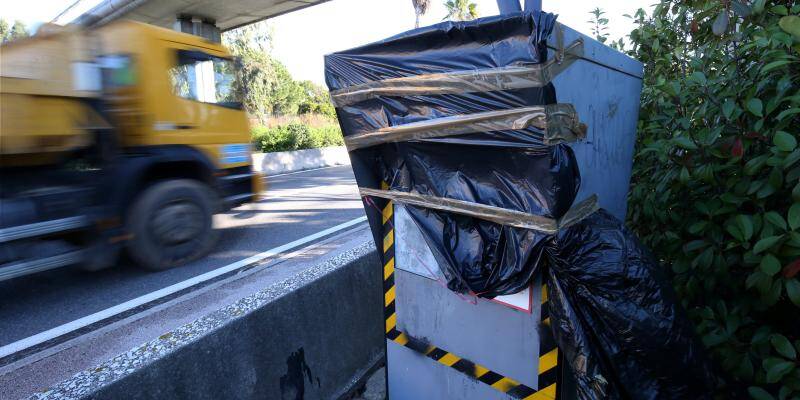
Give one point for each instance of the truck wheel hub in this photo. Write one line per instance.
(177, 223)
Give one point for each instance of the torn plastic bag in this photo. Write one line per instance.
(616, 320)
(489, 259)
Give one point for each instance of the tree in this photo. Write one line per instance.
(263, 83)
(4, 30)
(599, 25)
(420, 8)
(18, 31)
(461, 10)
(285, 93)
(315, 100)
(715, 189)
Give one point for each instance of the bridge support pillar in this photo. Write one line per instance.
(203, 27)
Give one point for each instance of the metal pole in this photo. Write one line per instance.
(508, 6)
(533, 5)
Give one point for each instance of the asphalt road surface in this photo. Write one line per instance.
(296, 205)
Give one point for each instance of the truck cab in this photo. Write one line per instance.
(168, 146)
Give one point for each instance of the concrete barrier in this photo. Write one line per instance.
(316, 335)
(298, 160)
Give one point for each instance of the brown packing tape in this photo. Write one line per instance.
(481, 80)
(499, 215)
(559, 122)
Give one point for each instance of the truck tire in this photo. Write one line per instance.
(171, 223)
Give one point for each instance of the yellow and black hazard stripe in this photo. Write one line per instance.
(389, 314)
(548, 354)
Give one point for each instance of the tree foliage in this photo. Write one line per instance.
(4, 30)
(599, 25)
(420, 8)
(716, 181)
(461, 10)
(16, 31)
(264, 83)
(315, 100)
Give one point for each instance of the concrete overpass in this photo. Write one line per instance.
(208, 18)
(205, 18)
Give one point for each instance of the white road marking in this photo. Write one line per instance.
(305, 170)
(53, 333)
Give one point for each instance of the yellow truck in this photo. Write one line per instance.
(128, 136)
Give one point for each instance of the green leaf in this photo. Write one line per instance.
(794, 174)
(714, 338)
(779, 370)
(780, 9)
(727, 108)
(765, 244)
(720, 25)
(680, 267)
(698, 227)
(784, 141)
(784, 393)
(765, 191)
(785, 113)
(705, 258)
(745, 225)
(735, 231)
(776, 178)
(755, 106)
(793, 216)
(731, 198)
(783, 346)
(758, 393)
(694, 245)
(754, 165)
(793, 291)
(758, 6)
(791, 25)
(792, 158)
(775, 219)
(698, 77)
(770, 265)
(775, 64)
(754, 279)
(740, 8)
(794, 239)
(685, 143)
(684, 176)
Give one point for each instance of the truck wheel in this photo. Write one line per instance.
(171, 223)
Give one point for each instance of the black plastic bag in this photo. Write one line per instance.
(616, 319)
(511, 169)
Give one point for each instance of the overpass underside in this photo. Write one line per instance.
(205, 18)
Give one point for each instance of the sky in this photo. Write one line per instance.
(302, 38)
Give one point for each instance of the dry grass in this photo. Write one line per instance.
(310, 120)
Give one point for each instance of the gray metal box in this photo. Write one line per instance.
(432, 332)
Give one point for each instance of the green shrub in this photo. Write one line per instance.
(326, 136)
(299, 136)
(295, 136)
(716, 182)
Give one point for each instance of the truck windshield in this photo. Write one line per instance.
(206, 78)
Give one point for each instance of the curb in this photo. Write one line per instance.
(299, 160)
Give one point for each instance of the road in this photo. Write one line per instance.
(295, 206)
